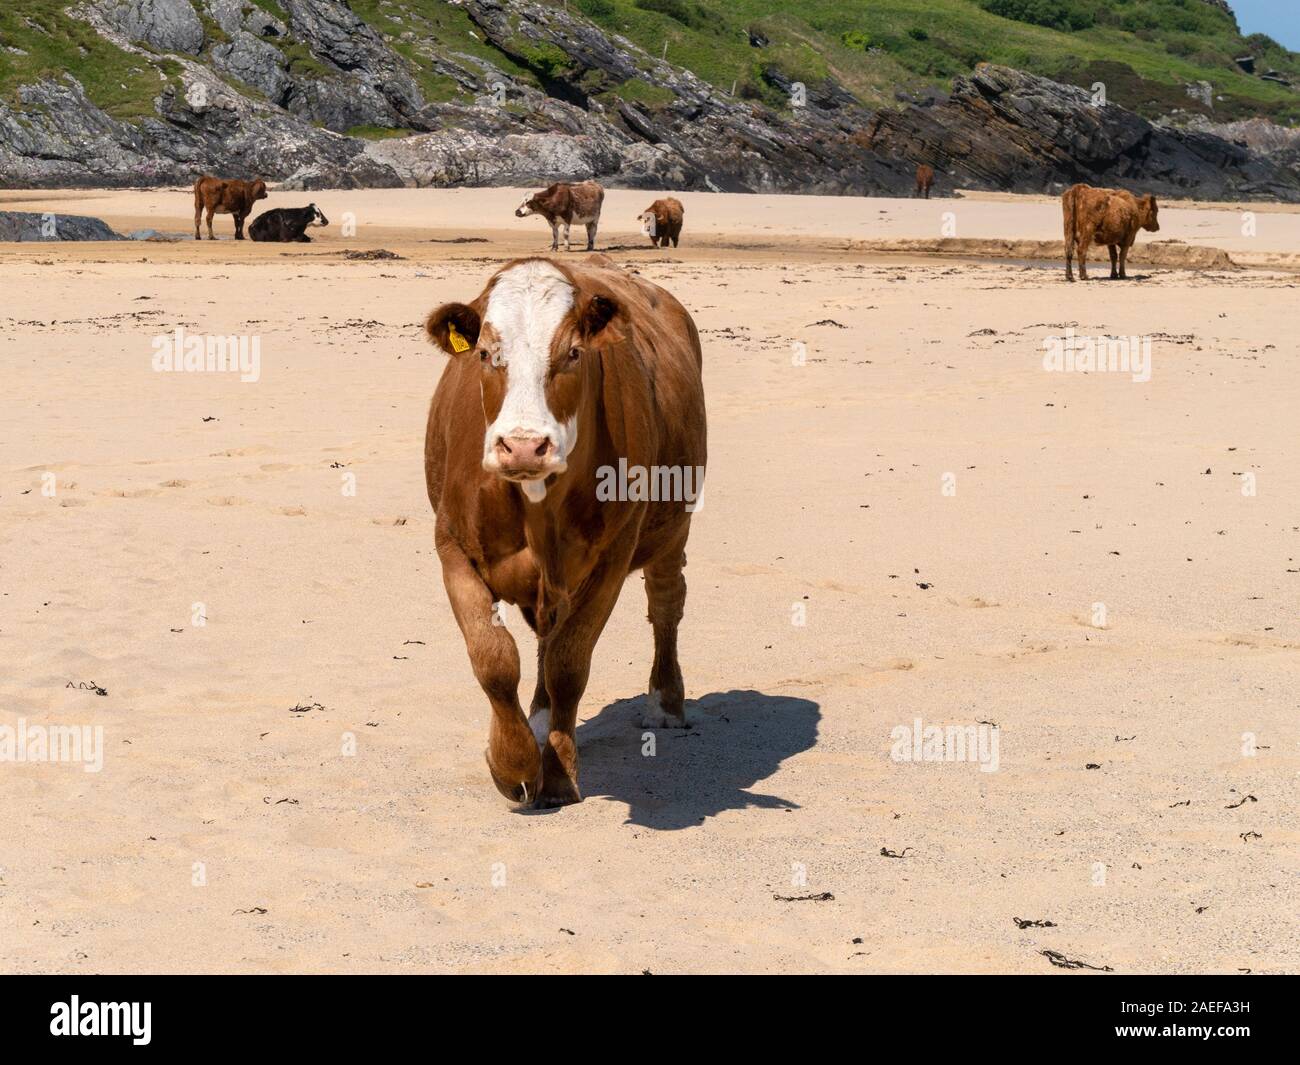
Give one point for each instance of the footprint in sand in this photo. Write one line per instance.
(293, 512)
(175, 483)
(1028, 649)
(227, 501)
(236, 452)
(388, 521)
(130, 493)
(748, 569)
(903, 664)
(72, 502)
(1255, 643)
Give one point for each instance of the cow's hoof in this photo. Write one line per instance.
(655, 716)
(514, 789)
(557, 792)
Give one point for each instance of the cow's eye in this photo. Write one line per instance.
(575, 354)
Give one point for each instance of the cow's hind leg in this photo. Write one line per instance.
(1083, 259)
(1114, 261)
(1123, 262)
(513, 757)
(198, 217)
(665, 589)
(566, 236)
(539, 710)
(591, 236)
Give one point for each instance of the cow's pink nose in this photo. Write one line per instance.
(523, 453)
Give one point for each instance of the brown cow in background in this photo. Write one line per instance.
(563, 204)
(1104, 216)
(563, 381)
(226, 196)
(924, 179)
(662, 221)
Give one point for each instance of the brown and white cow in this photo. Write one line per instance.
(563, 204)
(924, 179)
(662, 221)
(559, 376)
(226, 196)
(1104, 216)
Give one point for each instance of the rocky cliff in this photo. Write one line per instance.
(494, 92)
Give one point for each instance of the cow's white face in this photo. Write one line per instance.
(526, 442)
(525, 209)
(648, 224)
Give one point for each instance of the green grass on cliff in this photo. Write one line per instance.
(1149, 49)
(1146, 51)
(52, 42)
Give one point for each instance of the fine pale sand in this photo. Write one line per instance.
(1076, 558)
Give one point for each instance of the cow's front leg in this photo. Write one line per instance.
(665, 590)
(513, 757)
(555, 236)
(567, 666)
(566, 236)
(239, 226)
(1114, 261)
(211, 212)
(591, 236)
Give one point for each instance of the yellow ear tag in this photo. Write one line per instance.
(458, 342)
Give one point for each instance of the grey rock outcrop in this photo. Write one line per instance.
(1004, 129)
(168, 25)
(276, 90)
(33, 226)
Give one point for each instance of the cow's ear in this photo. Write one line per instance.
(597, 314)
(453, 327)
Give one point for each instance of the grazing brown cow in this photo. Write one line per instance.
(226, 196)
(570, 416)
(662, 221)
(924, 179)
(1104, 216)
(563, 204)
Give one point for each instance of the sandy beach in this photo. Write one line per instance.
(908, 519)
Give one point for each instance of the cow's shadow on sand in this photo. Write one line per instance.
(735, 740)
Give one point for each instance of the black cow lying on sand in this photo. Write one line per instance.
(287, 224)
